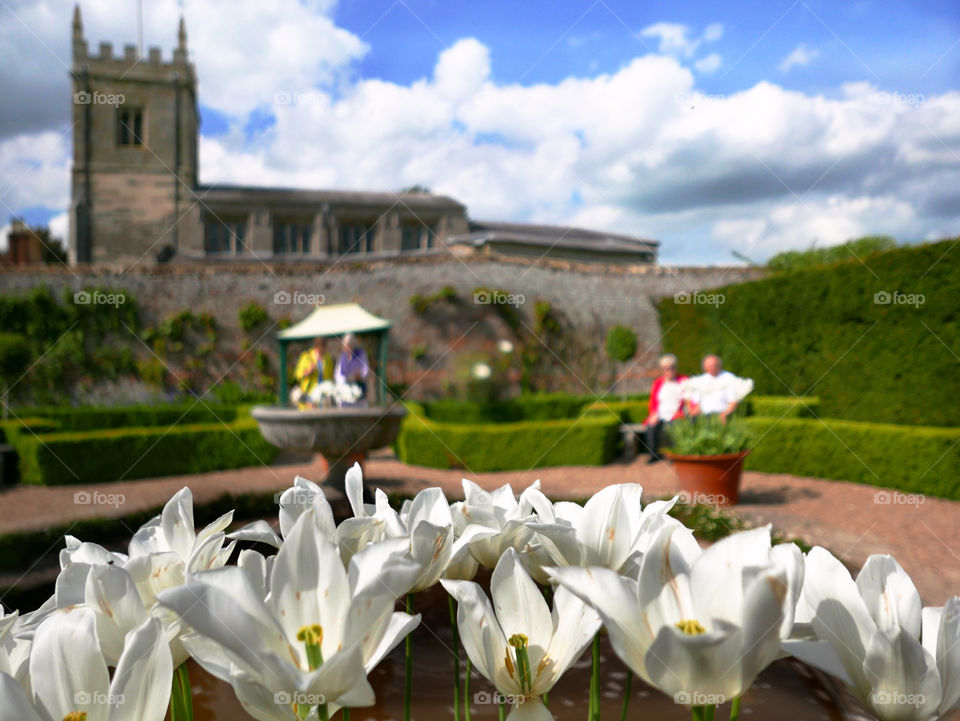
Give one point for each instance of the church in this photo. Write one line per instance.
(136, 196)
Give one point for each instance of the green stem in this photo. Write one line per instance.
(176, 711)
(735, 709)
(503, 711)
(466, 690)
(408, 681)
(697, 712)
(708, 712)
(185, 693)
(346, 714)
(322, 712)
(595, 681)
(626, 695)
(456, 658)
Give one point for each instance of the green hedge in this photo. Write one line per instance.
(588, 441)
(782, 406)
(527, 407)
(12, 428)
(820, 331)
(110, 455)
(635, 411)
(913, 459)
(87, 418)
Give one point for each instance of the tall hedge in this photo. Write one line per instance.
(85, 418)
(820, 332)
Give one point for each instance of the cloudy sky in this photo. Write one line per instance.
(747, 127)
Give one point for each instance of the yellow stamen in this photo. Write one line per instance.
(312, 634)
(76, 716)
(691, 627)
(518, 640)
(509, 663)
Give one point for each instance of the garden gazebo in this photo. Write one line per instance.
(337, 320)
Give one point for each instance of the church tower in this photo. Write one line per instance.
(135, 128)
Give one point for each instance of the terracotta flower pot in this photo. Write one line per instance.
(713, 480)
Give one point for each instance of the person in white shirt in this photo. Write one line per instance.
(666, 404)
(716, 390)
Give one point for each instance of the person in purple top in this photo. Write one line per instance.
(352, 365)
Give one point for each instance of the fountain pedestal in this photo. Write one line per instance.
(336, 433)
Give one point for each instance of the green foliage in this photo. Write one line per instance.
(12, 428)
(708, 523)
(76, 340)
(15, 356)
(708, 436)
(418, 352)
(635, 411)
(781, 406)
(621, 343)
(860, 248)
(87, 418)
(251, 316)
(820, 331)
(109, 455)
(420, 303)
(526, 407)
(913, 459)
(508, 446)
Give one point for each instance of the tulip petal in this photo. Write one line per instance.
(948, 654)
(480, 633)
(520, 606)
(890, 596)
(532, 709)
(112, 594)
(16, 706)
(177, 523)
(904, 683)
(67, 672)
(141, 684)
(257, 532)
(574, 626)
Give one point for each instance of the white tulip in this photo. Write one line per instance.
(902, 661)
(695, 624)
(607, 531)
(70, 679)
(517, 642)
(315, 610)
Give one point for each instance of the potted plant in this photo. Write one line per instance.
(707, 455)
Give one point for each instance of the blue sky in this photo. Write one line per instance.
(713, 127)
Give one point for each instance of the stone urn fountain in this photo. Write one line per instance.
(336, 433)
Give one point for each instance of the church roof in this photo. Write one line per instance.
(552, 236)
(296, 196)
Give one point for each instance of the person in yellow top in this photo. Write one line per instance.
(313, 365)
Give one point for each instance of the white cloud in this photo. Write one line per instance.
(710, 64)
(800, 57)
(675, 38)
(642, 149)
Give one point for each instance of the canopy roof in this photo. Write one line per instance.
(339, 319)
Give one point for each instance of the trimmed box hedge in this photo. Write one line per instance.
(88, 418)
(872, 339)
(913, 459)
(527, 407)
(634, 411)
(782, 406)
(108, 455)
(586, 441)
(12, 428)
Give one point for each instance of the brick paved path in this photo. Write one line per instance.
(852, 520)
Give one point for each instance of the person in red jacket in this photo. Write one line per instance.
(665, 404)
